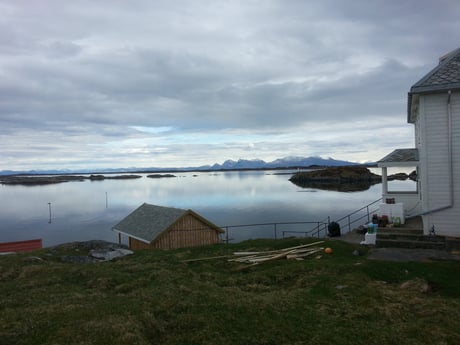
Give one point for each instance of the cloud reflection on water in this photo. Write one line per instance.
(79, 209)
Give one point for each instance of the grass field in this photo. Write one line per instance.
(153, 297)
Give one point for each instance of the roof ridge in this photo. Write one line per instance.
(446, 75)
(449, 55)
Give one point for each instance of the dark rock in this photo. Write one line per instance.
(398, 176)
(91, 251)
(78, 259)
(109, 254)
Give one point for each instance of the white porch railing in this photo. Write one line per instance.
(410, 200)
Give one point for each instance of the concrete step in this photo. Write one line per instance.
(426, 243)
(453, 244)
(414, 231)
(408, 236)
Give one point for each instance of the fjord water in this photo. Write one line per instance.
(80, 211)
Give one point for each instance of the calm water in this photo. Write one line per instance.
(88, 210)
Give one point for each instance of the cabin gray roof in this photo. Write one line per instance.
(148, 221)
(400, 157)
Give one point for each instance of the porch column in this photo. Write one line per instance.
(384, 181)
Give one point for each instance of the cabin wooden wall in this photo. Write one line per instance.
(138, 245)
(186, 232)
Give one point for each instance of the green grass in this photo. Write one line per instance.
(152, 297)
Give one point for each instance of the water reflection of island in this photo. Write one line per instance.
(341, 179)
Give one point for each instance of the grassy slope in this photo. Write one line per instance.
(153, 297)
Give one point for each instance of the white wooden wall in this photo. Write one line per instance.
(432, 141)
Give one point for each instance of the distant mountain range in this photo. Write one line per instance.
(286, 162)
(241, 164)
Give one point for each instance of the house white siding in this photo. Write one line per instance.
(432, 140)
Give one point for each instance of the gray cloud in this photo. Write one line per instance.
(259, 79)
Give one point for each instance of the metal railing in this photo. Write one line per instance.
(319, 229)
(277, 229)
(359, 215)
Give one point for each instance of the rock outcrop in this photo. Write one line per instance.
(89, 251)
(344, 179)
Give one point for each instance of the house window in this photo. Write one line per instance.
(403, 179)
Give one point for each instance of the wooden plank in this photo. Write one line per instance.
(207, 258)
(302, 255)
(278, 250)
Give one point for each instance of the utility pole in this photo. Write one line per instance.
(49, 206)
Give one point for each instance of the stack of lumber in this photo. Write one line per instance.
(297, 253)
(255, 258)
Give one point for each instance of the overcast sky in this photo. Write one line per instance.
(98, 84)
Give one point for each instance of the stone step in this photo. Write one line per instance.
(397, 243)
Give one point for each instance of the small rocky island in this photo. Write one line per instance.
(343, 179)
(160, 175)
(35, 180)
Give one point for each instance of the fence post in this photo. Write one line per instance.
(226, 232)
(275, 230)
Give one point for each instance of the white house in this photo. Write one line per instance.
(434, 109)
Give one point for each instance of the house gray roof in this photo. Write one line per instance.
(400, 157)
(148, 221)
(445, 76)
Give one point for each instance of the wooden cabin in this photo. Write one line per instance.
(151, 226)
